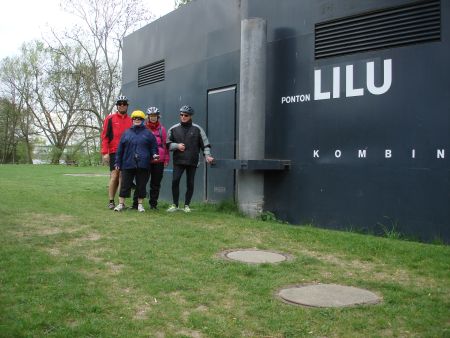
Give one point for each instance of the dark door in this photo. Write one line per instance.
(221, 132)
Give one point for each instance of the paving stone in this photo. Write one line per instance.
(328, 295)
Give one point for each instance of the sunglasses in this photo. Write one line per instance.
(137, 118)
(185, 115)
(122, 104)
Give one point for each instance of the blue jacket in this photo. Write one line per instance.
(136, 148)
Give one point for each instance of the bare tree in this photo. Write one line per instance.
(104, 24)
(179, 3)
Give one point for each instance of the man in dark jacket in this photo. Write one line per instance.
(185, 140)
(137, 148)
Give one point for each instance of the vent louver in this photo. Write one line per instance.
(151, 73)
(391, 27)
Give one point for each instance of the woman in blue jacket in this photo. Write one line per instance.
(137, 148)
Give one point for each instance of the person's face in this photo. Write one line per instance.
(153, 118)
(137, 121)
(122, 107)
(185, 117)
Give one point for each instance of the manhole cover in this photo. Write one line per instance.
(256, 256)
(328, 295)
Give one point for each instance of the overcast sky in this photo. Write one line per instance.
(25, 20)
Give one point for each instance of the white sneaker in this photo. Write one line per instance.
(119, 207)
(140, 208)
(172, 208)
(187, 209)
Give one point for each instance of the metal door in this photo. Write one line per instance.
(220, 183)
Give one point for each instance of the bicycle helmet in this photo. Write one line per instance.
(138, 113)
(153, 110)
(187, 109)
(121, 98)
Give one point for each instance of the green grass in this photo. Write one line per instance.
(71, 268)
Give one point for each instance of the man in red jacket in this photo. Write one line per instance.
(113, 128)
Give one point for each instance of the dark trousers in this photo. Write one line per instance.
(141, 177)
(156, 174)
(190, 175)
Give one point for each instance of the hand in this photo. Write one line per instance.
(181, 147)
(209, 159)
(105, 159)
(156, 157)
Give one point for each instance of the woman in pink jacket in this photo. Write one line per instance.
(157, 166)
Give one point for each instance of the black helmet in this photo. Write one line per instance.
(187, 109)
(153, 110)
(121, 98)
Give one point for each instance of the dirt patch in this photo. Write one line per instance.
(115, 268)
(190, 333)
(377, 271)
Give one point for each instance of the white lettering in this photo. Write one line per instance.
(296, 98)
(440, 153)
(362, 153)
(337, 153)
(388, 153)
(316, 154)
(413, 153)
(318, 95)
(336, 82)
(305, 97)
(349, 89)
(387, 78)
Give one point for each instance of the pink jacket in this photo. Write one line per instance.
(161, 136)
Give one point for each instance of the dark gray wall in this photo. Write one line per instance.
(200, 43)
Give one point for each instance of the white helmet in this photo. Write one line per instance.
(153, 110)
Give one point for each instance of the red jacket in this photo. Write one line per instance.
(159, 132)
(120, 123)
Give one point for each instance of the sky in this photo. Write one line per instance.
(25, 20)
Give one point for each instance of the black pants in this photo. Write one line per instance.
(156, 174)
(190, 175)
(128, 175)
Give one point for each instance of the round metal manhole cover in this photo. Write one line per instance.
(328, 295)
(256, 256)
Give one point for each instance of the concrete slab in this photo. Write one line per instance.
(327, 295)
(254, 256)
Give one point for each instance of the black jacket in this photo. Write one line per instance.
(194, 139)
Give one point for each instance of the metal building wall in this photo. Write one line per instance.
(400, 184)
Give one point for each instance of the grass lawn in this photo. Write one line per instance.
(69, 267)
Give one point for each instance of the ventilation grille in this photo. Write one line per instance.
(392, 27)
(151, 73)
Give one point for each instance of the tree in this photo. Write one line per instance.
(179, 3)
(50, 88)
(16, 120)
(104, 24)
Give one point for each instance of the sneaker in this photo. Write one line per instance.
(120, 207)
(172, 208)
(187, 209)
(111, 205)
(140, 208)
